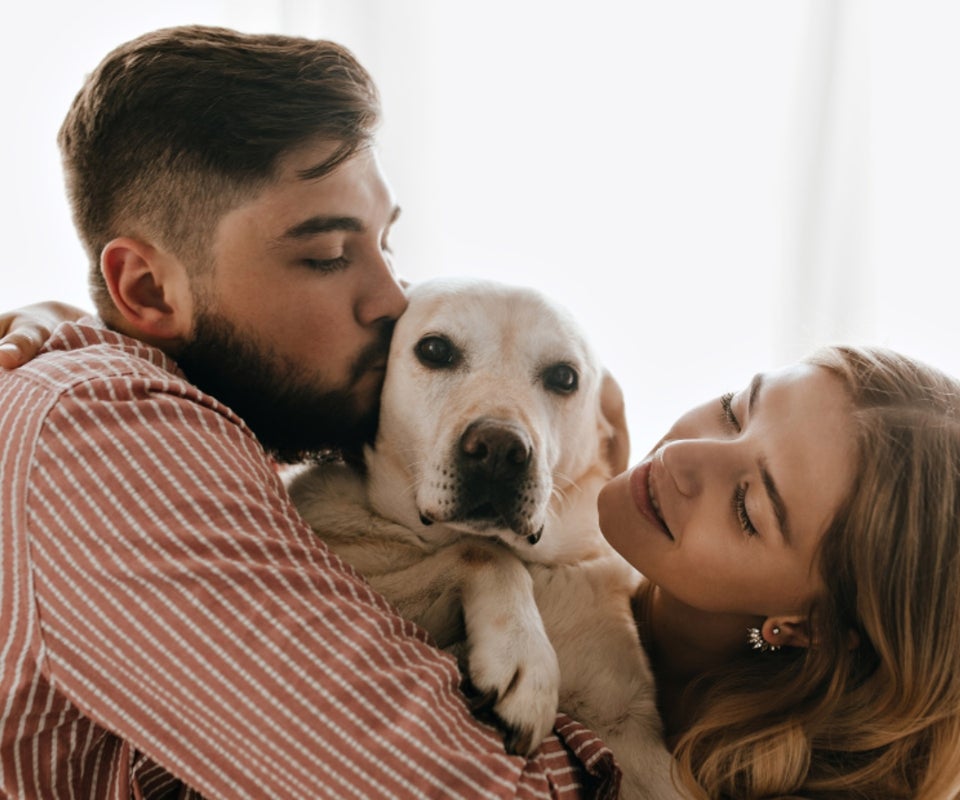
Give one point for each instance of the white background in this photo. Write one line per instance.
(714, 188)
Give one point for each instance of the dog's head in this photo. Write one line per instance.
(494, 410)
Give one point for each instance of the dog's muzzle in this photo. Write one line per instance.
(494, 460)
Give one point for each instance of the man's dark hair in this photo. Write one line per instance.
(178, 126)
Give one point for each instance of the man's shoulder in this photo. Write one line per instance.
(79, 352)
(85, 362)
(92, 387)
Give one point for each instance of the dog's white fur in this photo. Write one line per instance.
(547, 623)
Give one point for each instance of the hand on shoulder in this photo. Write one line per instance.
(25, 330)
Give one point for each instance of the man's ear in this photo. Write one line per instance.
(617, 444)
(150, 289)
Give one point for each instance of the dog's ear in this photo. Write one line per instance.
(616, 447)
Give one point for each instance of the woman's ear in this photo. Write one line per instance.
(613, 412)
(795, 632)
(786, 631)
(150, 289)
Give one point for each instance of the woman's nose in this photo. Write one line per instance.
(691, 463)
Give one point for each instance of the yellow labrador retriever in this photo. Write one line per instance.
(477, 516)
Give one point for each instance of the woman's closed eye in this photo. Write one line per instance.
(726, 407)
(740, 510)
(740, 492)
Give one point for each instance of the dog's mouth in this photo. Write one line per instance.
(487, 484)
(484, 511)
(485, 518)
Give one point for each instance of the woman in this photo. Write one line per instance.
(801, 541)
(801, 544)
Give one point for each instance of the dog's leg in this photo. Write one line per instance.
(510, 659)
(607, 683)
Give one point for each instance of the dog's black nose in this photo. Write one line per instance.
(500, 450)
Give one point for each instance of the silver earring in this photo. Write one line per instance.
(757, 642)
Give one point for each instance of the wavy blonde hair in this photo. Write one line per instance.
(872, 710)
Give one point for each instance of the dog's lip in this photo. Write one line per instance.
(479, 522)
(644, 492)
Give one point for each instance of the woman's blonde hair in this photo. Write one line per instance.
(872, 708)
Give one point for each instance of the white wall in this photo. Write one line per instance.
(714, 188)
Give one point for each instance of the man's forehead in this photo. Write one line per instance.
(320, 160)
(351, 197)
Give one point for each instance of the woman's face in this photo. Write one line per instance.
(727, 511)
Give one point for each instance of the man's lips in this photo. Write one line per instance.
(371, 371)
(644, 496)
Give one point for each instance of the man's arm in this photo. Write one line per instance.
(187, 609)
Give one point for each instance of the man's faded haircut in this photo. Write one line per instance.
(178, 126)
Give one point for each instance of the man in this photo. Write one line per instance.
(169, 624)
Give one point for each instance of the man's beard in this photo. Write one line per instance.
(293, 419)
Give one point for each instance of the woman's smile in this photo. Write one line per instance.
(644, 492)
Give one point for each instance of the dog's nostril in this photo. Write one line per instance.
(496, 446)
(476, 449)
(519, 454)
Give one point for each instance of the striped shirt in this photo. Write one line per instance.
(170, 627)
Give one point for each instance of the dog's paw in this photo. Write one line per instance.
(517, 675)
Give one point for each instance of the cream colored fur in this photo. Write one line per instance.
(546, 624)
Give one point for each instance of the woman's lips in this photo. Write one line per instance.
(643, 497)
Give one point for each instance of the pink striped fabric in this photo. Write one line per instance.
(169, 627)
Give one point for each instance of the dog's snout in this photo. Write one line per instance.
(500, 449)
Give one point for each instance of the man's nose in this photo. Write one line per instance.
(383, 297)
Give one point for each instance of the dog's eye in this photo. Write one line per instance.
(561, 378)
(437, 352)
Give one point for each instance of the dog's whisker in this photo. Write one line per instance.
(558, 492)
(561, 478)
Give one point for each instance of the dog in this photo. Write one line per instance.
(476, 516)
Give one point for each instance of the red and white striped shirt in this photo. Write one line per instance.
(170, 627)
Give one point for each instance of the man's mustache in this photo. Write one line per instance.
(375, 353)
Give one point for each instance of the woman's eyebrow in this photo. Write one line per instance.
(776, 499)
(755, 385)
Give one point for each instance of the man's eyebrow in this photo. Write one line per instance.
(313, 226)
(776, 500)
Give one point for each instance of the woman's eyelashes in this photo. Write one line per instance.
(726, 406)
(740, 493)
(740, 509)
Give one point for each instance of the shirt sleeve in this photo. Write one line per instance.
(187, 609)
